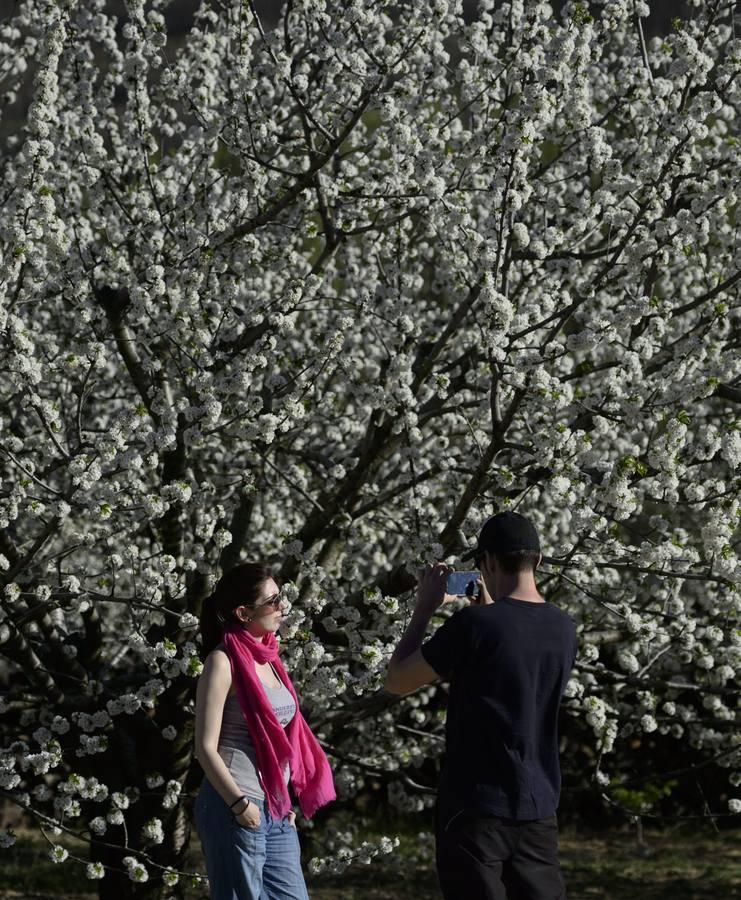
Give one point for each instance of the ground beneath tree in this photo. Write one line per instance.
(705, 866)
(607, 867)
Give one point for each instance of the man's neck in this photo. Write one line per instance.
(519, 589)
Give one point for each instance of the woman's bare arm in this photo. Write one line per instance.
(213, 687)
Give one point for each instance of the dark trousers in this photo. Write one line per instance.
(491, 858)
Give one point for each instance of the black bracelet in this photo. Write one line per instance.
(232, 805)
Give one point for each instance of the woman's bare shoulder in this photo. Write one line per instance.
(217, 663)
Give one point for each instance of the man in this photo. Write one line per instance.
(508, 661)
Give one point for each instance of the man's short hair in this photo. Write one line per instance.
(517, 560)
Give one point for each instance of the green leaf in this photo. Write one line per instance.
(581, 15)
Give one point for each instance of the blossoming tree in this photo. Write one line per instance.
(328, 295)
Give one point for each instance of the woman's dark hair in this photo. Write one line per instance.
(239, 586)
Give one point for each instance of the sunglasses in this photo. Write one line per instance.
(274, 601)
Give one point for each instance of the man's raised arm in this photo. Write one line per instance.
(408, 669)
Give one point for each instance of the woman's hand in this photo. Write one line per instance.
(249, 815)
(292, 818)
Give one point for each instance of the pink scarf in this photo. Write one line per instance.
(276, 746)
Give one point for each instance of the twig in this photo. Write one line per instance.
(644, 52)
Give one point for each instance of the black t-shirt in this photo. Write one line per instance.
(508, 664)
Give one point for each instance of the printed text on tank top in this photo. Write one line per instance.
(271, 683)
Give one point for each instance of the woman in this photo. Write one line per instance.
(252, 741)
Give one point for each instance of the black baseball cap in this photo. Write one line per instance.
(506, 532)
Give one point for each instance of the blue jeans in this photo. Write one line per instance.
(242, 863)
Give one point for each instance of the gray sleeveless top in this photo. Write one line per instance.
(235, 744)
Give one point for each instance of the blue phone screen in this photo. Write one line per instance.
(459, 581)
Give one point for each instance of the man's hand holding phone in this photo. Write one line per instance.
(477, 593)
(470, 585)
(440, 584)
(431, 587)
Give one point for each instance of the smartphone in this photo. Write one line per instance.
(459, 581)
